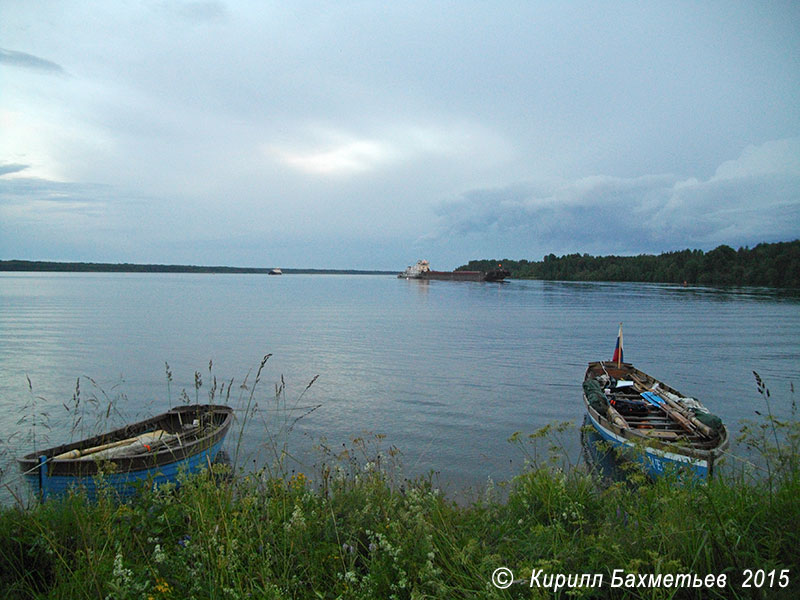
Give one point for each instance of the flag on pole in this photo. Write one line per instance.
(618, 350)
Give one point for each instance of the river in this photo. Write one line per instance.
(446, 371)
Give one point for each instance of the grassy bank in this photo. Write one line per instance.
(357, 529)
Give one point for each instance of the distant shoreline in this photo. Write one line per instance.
(84, 267)
(773, 265)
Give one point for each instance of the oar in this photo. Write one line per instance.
(142, 443)
(78, 453)
(616, 418)
(655, 400)
(672, 408)
(704, 429)
(172, 441)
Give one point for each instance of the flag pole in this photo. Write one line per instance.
(619, 344)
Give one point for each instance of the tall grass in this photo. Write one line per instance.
(355, 528)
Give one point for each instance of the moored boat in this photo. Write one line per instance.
(650, 422)
(155, 451)
(422, 270)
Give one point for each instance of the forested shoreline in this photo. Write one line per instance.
(771, 265)
(90, 267)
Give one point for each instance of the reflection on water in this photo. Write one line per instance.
(599, 456)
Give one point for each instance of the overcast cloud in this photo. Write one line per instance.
(367, 135)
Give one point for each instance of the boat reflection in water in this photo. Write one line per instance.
(601, 458)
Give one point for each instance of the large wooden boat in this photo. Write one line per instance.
(153, 451)
(650, 422)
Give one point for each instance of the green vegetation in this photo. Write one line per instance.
(771, 265)
(35, 265)
(356, 529)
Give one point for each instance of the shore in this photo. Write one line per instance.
(83, 267)
(357, 529)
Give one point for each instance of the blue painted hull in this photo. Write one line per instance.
(123, 485)
(655, 462)
(55, 471)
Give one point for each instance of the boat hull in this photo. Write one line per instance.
(455, 275)
(497, 275)
(122, 485)
(657, 452)
(655, 462)
(122, 476)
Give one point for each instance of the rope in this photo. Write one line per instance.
(310, 407)
(603, 366)
(24, 473)
(744, 460)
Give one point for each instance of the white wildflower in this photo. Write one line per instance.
(158, 554)
(297, 520)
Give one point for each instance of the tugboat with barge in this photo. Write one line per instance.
(422, 270)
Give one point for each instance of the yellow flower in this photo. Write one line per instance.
(298, 480)
(162, 586)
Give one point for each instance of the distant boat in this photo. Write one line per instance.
(422, 270)
(276, 272)
(650, 422)
(154, 451)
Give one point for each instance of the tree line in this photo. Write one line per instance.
(34, 265)
(771, 265)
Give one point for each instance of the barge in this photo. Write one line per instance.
(422, 270)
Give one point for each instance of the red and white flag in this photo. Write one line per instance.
(617, 358)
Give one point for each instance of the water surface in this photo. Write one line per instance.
(446, 370)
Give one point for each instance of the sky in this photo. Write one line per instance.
(368, 135)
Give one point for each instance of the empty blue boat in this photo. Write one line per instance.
(153, 451)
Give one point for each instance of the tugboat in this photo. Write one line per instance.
(422, 270)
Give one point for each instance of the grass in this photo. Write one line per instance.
(356, 529)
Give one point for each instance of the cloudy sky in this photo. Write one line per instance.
(371, 134)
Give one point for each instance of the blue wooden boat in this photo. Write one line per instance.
(649, 422)
(151, 452)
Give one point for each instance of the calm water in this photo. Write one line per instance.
(446, 370)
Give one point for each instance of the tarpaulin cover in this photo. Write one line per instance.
(595, 396)
(706, 418)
